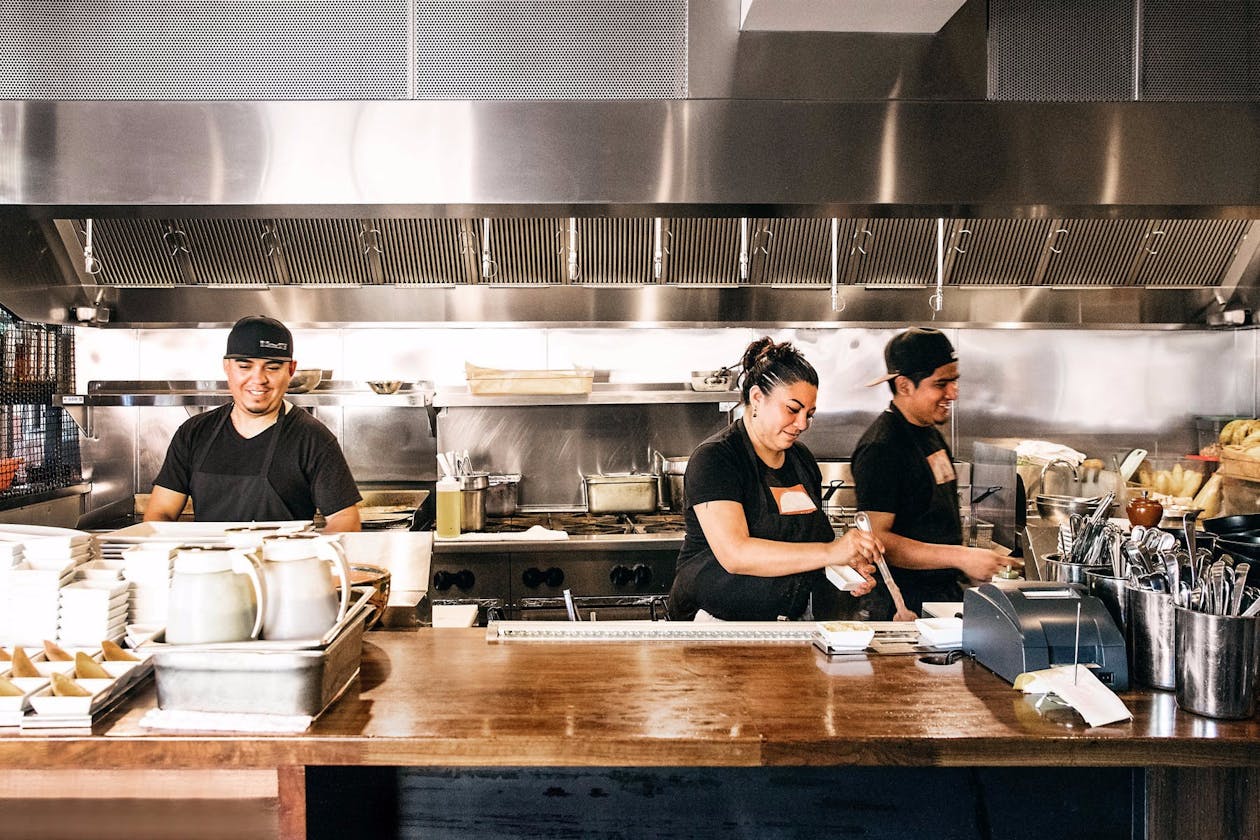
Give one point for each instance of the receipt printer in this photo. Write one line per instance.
(1034, 625)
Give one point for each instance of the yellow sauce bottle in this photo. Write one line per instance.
(449, 504)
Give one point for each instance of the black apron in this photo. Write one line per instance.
(237, 498)
(703, 583)
(939, 524)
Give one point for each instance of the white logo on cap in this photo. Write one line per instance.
(272, 345)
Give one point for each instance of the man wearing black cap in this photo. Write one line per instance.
(256, 458)
(905, 481)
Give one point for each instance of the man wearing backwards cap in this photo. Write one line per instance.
(905, 479)
(256, 458)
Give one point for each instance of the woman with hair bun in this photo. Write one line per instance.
(757, 538)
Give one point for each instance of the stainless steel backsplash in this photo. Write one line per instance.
(1099, 391)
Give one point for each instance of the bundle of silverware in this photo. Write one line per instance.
(1092, 540)
(1197, 581)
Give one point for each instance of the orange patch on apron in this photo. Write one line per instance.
(793, 501)
(942, 469)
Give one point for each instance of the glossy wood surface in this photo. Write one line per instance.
(447, 697)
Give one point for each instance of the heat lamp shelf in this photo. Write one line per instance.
(214, 393)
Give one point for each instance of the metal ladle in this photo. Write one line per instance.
(863, 523)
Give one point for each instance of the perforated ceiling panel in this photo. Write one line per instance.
(551, 49)
(185, 49)
(1061, 50)
(1193, 50)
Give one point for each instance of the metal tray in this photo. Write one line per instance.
(261, 680)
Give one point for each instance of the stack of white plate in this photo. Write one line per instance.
(147, 568)
(30, 602)
(93, 611)
(45, 543)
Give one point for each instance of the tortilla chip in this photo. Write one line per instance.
(8, 689)
(22, 665)
(4, 655)
(114, 653)
(87, 668)
(63, 686)
(55, 654)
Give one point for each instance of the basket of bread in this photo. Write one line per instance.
(1239, 446)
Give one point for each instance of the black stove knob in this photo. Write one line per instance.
(464, 579)
(443, 581)
(553, 577)
(532, 577)
(620, 575)
(642, 574)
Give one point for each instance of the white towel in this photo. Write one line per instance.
(537, 532)
(223, 721)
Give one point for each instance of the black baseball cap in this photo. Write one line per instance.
(917, 350)
(260, 337)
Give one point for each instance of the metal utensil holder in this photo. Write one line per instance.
(1151, 638)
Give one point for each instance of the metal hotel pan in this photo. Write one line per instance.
(261, 679)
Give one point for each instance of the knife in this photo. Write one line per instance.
(863, 523)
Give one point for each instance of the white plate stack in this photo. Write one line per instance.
(30, 602)
(92, 611)
(147, 568)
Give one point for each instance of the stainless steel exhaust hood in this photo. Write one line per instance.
(339, 211)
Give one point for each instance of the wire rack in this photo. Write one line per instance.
(39, 442)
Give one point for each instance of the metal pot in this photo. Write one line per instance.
(621, 493)
(472, 491)
(674, 469)
(502, 495)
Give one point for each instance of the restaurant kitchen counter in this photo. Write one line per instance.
(448, 698)
(470, 544)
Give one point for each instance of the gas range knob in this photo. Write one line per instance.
(620, 575)
(553, 577)
(642, 574)
(463, 579)
(532, 577)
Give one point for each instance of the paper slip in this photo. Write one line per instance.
(1079, 688)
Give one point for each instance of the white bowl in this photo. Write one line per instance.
(845, 635)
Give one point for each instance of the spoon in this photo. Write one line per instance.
(863, 523)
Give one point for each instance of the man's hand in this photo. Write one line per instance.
(981, 564)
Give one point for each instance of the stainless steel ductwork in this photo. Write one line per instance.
(785, 178)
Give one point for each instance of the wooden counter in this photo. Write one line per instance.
(448, 698)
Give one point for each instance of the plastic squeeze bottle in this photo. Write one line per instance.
(449, 504)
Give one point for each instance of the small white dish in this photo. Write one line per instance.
(48, 668)
(940, 632)
(845, 578)
(28, 686)
(47, 703)
(845, 635)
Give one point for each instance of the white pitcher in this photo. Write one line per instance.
(209, 602)
(302, 601)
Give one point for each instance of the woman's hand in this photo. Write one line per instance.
(858, 550)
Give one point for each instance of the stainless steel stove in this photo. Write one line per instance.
(615, 566)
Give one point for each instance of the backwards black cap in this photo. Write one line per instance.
(917, 350)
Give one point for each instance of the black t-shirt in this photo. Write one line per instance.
(893, 474)
(725, 468)
(308, 470)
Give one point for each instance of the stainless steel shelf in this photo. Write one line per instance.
(601, 394)
(213, 393)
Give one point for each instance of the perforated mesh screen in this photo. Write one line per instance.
(191, 49)
(1193, 50)
(1061, 50)
(39, 444)
(551, 49)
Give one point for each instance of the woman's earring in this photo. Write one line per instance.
(754, 411)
